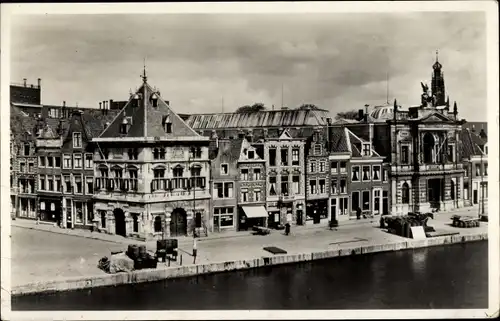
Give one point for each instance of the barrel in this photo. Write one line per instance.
(161, 245)
(133, 251)
(142, 252)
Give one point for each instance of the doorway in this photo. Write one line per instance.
(178, 223)
(434, 191)
(385, 202)
(120, 228)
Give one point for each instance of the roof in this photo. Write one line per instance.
(356, 143)
(21, 125)
(338, 140)
(265, 118)
(229, 150)
(471, 143)
(146, 120)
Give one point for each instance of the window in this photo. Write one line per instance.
(77, 140)
(478, 170)
(452, 189)
(50, 183)
(405, 193)
(77, 160)
(366, 200)
(466, 168)
(312, 186)
(224, 217)
(244, 174)
(272, 157)
(355, 174)
(354, 201)
(244, 195)
(312, 167)
(196, 177)
(158, 182)
(133, 153)
(41, 183)
(224, 169)
(178, 174)
(296, 184)
(90, 185)
(158, 224)
(334, 167)
(317, 149)
(67, 161)
(366, 173)
(223, 190)
(132, 174)
(405, 154)
(135, 218)
(163, 153)
(258, 196)
(31, 167)
(376, 172)
(78, 184)
(251, 154)
(322, 186)
(343, 186)
(58, 183)
(57, 161)
(451, 153)
(89, 161)
(156, 153)
(343, 167)
(167, 124)
(256, 174)
(26, 149)
(367, 151)
(104, 153)
(295, 157)
(22, 167)
(321, 167)
(284, 157)
(41, 161)
(386, 174)
(50, 161)
(334, 186)
(67, 183)
(284, 185)
(272, 185)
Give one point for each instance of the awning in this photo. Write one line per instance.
(254, 211)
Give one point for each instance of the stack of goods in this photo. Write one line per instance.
(166, 248)
(401, 225)
(142, 258)
(119, 262)
(464, 221)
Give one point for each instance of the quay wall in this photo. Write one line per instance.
(162, 273)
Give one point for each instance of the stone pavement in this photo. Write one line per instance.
(41, 256)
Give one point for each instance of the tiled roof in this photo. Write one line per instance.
(21, 125)
(339, 141)
(470, 146)
(146, 120)
(266, 118)
(95, 120)
(230, 150)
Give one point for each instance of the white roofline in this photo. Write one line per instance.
(151, 139)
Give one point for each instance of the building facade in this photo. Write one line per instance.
(285, 165)
(474, 156)
(151, 172)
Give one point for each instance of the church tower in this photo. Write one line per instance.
(438, 83)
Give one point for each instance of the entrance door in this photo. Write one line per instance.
(434, 191)
(178, 223)
(385, 203)
(475, 196)
(120, 228)
(376, 201)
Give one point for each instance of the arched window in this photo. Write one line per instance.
(405, 191)
(429, 143)
(452, 191)
(157, 224)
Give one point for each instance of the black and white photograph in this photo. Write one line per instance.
(250, 160)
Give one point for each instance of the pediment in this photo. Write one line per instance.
(436, 118)
(285, 135)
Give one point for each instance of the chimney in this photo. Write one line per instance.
(100, 105)
(360, 114)
(64, 103)
(39, 82)
(111, 104)
(473, 128)
(250, 136)
(482, 134)
(24, 81)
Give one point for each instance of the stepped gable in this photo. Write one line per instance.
(147, 121)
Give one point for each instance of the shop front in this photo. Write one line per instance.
(251, 216)
(50, 210)
(317, 211)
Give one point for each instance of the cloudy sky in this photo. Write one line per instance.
(336, 61)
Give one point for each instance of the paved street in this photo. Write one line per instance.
(42, 255)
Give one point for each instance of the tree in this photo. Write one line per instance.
(308, 106)
(251, 109)
(352, 114)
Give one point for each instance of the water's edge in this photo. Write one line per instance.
(162, 273)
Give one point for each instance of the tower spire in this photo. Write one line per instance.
(437, 55)
(143, 76)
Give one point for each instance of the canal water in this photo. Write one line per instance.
(446, 277)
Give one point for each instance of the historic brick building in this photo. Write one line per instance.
(474, 155)
(151, 171)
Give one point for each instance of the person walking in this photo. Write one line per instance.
(358, 213)
(195, 250)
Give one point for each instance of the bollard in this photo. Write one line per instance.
(180, 262)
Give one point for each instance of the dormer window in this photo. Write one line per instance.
(251, 154)
(135, 100)
(77, 140)
(124, 126)
(167, 124)
(154, 100)
(317, 149)
(367, 149)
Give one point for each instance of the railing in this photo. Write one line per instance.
(169, 184)
(116, 184)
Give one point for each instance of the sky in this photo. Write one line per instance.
(207, 63)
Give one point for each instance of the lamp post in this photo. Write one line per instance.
(481, 204)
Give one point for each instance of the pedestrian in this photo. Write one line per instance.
(287, 228)
(195, 250)
(358, 213)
